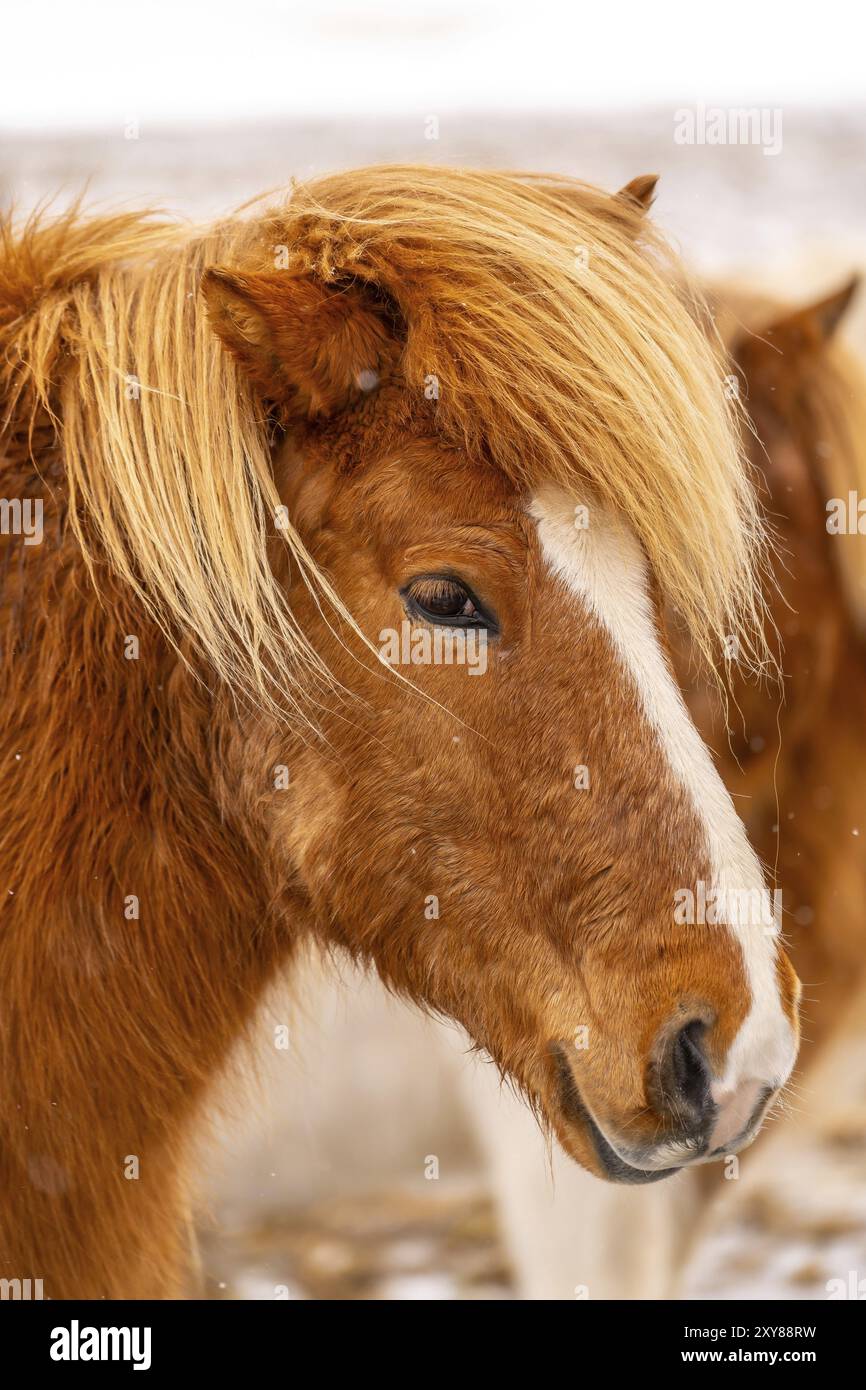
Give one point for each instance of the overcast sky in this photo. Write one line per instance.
(81, 63)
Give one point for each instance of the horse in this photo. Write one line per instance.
(483, 406)
(792, 765)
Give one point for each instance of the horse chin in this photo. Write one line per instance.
(583, 1139)
(588, 1146)
(612, 1166)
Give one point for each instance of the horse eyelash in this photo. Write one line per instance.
(482, 619)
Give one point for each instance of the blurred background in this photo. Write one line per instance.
(372, 1158)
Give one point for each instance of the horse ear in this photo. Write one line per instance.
(640, 192)
(307, 347)
(808, 328)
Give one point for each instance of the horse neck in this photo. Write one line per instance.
(138, 934)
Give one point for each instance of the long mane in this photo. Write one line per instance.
(565, 347)
(828, 419)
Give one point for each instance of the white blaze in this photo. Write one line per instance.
(603, 565)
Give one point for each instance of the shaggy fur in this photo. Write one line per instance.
(221, 548)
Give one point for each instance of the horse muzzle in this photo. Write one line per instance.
(696, 1119)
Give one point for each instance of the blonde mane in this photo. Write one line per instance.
(551, 316)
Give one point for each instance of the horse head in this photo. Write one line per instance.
(500, 445)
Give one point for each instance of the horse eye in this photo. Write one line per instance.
(439, 598)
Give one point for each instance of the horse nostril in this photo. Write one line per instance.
(688, 1072)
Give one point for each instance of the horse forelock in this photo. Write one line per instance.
(542, 311)
(548, 323)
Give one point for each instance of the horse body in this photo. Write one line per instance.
(205, 767)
